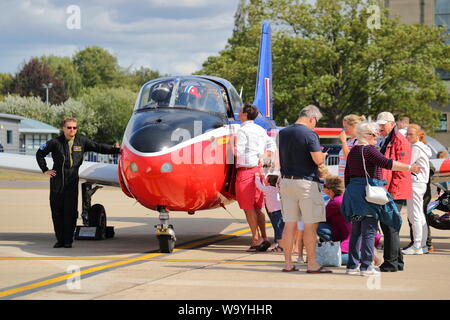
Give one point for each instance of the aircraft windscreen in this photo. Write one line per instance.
(197, 94)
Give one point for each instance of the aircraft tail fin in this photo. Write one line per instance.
(263, 92)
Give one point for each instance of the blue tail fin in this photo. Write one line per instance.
(263, 92)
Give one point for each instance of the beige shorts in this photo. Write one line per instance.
(301, 200)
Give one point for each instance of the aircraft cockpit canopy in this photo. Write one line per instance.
(188, 93)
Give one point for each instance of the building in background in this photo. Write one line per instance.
(20, 134)
(429, 12)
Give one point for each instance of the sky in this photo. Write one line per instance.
(169, 36)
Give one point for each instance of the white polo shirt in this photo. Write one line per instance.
(252, 142)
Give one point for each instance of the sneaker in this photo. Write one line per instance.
(300, 260)
(409, 245)
(425, 250)
(412, 250)
(371, 271)
(353, 271)
(430, 249)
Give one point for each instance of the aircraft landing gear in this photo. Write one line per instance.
(94, 216)
(165, 232)
(87, 191)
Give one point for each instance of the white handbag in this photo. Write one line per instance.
(374, 194)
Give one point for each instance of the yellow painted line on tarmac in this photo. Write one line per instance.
(62, 258)
(148, 259)
(67, 276)
(24, 188)
(91, 270)
(220, 261)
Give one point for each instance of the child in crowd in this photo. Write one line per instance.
(300, 246)
(273, 204)
(336, 228)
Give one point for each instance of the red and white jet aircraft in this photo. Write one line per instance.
(177, 150)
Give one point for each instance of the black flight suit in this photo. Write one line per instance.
(64, 186)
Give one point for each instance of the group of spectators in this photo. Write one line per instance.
(381, 153)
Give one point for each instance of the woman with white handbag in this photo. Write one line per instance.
(365, 203)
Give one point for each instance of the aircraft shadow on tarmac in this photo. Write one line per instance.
(138, 239)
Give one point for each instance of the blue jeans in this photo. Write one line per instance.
(363, 236)
(277, 223)
(326, 234)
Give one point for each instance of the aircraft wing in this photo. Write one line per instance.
(442, 172)
(100, 173)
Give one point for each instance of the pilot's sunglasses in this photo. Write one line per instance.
(70, 128)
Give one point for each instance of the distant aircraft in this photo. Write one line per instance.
(177, 149)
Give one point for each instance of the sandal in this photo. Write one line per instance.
(252, 249)
(290, 270)
(263, 246)
(320, 270)
(276, 249)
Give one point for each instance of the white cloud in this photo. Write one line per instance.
(169, 36)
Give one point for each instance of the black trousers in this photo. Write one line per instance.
(393, 256)
(64, 208)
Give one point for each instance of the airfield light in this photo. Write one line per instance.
(47, 86)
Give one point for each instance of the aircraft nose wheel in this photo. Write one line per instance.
(165, 232)
(167, 242)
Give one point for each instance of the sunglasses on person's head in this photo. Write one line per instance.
(70, 128)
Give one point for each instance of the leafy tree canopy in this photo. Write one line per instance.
(35, 108)
(30, 79)
(327, 54)
(96, 66)
(112, 108)
(6, 82)
(64, 70)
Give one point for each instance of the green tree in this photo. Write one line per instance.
(30, 79)
(134, 79)
(35, 108)
(65, 71)
(96, 66)
(29, 107)
(76, 109)
(327, 55)
(6, 82)
(113, 108)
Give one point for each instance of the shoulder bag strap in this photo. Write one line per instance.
(364, 164)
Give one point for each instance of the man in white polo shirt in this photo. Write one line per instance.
(252, 142)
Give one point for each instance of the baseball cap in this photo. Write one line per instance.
(385, 117)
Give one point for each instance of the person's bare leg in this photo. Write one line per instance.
(288, 242)
(261, 218)
(310, 239)
(295, 244)
(300, 243)
(253, 224)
